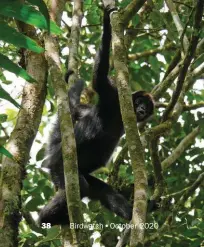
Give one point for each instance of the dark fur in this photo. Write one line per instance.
(97, 131)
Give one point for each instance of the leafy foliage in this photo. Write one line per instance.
(148, 30)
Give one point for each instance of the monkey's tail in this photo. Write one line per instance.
(67, 75)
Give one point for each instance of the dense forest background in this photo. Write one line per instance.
(158, 39)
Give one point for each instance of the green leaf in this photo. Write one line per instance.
(27, 14)
(10, 35)
(48, 192)
(93, 16)
(136, 20)
(43, 9)
(34, 203)
(41, 154)
(52, 233)
(6, 96)
(5, 152)
(3, 118)
(14, 68)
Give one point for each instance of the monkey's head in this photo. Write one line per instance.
(143, 105)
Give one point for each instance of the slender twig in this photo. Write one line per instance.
(113, 176)
(189, 139)
(158, 174)
(200, 46)
(124, 238)
(187, 60)
(182, 37)
(185, 107)
(177, 22)
(161, 88)
(167, 223)
(173, 63)
(188, 6)
(151, 52)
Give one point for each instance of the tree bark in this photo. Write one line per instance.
(19, 145)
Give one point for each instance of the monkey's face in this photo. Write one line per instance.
(143, 105)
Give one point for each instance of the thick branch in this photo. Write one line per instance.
(74, 43)
(154, 132)
(68, 139)
(19, 144)
(132, 136)
(132, 8)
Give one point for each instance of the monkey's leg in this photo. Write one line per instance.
(55, 212)
(98, 190)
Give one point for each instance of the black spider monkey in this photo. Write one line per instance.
(97, 129)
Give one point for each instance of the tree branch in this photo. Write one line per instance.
(124, 238)
(188, 140)
(187, 60)
(154, 132)
(20, 142)
(187, 193)
(178, 23)
(158, 173)
(185, 107)
(151, 52)
(113, 176)
(132, 8)
(74, 40)
(79, 237)
(161, 88)
(132, 135)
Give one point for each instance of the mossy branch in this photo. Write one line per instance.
(130, 125)
(132, 8)
(189, 139)
(79, 237)
(151, 52)
(20, 142)
(74, 40)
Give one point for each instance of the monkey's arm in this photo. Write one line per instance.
(101, 66)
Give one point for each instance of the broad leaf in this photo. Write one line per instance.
(3, 118)
(6, 96)
(43, 9)
(5, 152)
(14, 68)
(27, 14)
(10, 35)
